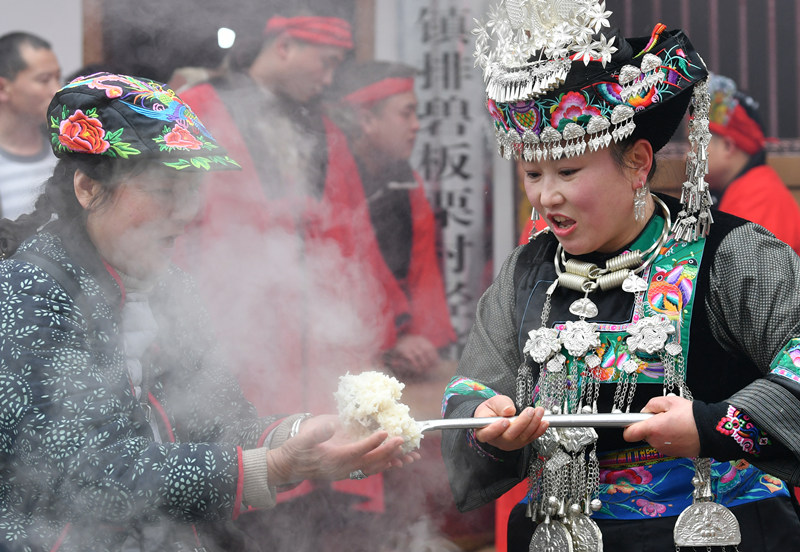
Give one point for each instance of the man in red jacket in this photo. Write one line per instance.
(376, 106)
(283, 250)
(740, 179)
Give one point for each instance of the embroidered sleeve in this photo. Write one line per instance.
(727, 432)
(459, 386)
(738, 426)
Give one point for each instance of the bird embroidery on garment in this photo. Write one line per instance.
(671, 289)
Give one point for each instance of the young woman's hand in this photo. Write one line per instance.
(672, 431)
(322, 449)
(505, 434)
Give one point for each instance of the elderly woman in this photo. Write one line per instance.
(120, 428)
(628, 302)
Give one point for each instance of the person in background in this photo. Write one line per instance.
(122, 428)
(631, 302)
(296, 215)
(292, 230)
(740, 179)
(29, 76)
(375, 104)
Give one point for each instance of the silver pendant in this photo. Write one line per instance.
(673, 349)
(574, 439)
(707, 524)
(551, 536)
(634, 284)
(584, 308)
(586, 535)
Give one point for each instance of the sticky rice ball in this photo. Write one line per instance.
(370, 401)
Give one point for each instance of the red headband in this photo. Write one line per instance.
(330, 31)
(380, 90)
(743, 130)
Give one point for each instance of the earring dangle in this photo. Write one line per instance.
(640, 202)
(534, 214)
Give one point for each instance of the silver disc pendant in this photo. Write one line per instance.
(586, 535)
(551, 536)
(707, 524)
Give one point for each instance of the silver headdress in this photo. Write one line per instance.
(559, 82)
(533, 44)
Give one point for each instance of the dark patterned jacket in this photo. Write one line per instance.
(744, 351)
(79, 467)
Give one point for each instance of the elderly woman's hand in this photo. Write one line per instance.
(505, 434)
(322, 449)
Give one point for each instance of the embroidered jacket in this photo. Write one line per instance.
(79, 467)
(743, 345)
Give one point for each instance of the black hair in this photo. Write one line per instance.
(11, 62)
(58, 197)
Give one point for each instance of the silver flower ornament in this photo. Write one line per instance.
(650, 334)
(579, 337)
(542, 344)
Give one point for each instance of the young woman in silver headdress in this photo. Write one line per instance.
(629, 301)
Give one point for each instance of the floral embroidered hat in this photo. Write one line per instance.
(124, 117)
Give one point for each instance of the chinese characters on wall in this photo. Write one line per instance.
(452, 155)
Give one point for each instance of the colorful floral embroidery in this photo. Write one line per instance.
(625, 481)
(180, 138)
(628, 493)
(651, 509)
(152, 118)
(572, 107)
(84, 133)
(737, 424)
(772, 483)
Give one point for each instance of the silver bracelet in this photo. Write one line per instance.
(296, 424)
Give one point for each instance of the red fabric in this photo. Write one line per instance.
(744, 131)
(430, 314)
(502, 510)
(379, 90)
(761, 196)
(331, 31)
(291, 319)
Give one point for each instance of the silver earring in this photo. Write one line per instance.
(640, 202)
(534, 215)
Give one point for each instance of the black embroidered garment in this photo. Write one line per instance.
(79, 463)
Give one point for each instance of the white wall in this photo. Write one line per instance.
(60, 22)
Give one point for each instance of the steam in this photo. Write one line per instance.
(291, 314)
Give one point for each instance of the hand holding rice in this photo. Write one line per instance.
(369, 401)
